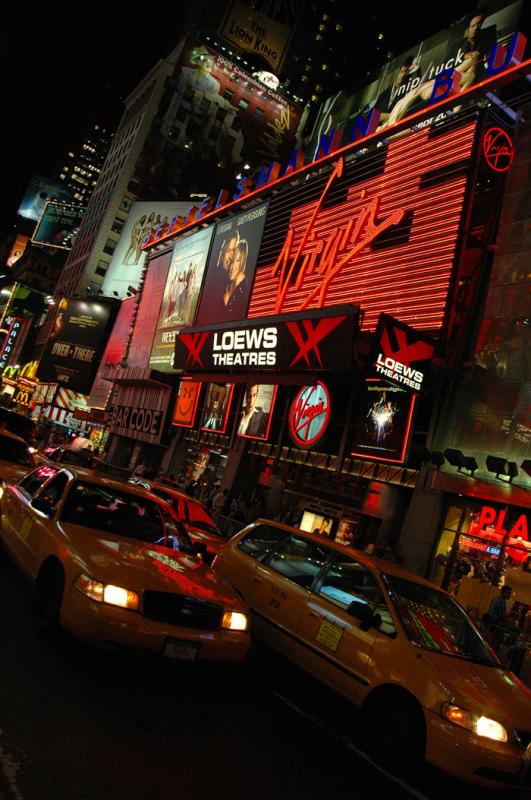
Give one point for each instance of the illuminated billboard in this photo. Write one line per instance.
(113, 354)
(186, 404)
(358, 234)
(38, 192)
(255, 33)
(181, 294)
(217, 406)
(256, 411)
(148, 311)
(58, 224)
(231, 266)
(127, 260)
(405, 84)
(76, 343)
(382, 422)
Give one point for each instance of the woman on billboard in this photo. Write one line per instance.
(237, 289)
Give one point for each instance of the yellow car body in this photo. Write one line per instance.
(115, 567)
(16, 458)
(392, 643)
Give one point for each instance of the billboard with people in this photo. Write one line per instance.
(406, 83)
(216, 407)
(127, 260)
(382, 422)
(181, 294)
(256, 411)
(230, 273)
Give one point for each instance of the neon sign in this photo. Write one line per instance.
(397, 347)
(498, 149)
(309, 415)
(490, 517)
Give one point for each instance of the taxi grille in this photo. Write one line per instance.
(177, 609)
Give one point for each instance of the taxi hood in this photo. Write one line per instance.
(141, 565)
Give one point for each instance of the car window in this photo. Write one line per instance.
(53, 490)
(15, 452)
(434, 621)
(345, 581)
(114, 511)
(260, 540)
(197, 515)
(33, 482)
(298, 559)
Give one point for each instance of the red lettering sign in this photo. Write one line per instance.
(498, 149)
(309, 415)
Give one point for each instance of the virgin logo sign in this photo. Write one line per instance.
(498, 149)
(309, 415)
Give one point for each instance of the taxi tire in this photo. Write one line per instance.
(49, 589)
(394, 731)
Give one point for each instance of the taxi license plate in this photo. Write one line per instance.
(181, 649)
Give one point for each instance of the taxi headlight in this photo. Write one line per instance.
(106, 593)
(481, 726)
(234, 621)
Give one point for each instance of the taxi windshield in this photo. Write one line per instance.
(118, 512)
(435, 622)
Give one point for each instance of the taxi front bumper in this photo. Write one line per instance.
(476, 759)
(105, 625)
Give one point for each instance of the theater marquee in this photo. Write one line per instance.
(318, 340)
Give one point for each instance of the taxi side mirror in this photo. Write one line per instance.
(363, 612)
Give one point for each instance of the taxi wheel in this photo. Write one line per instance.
(49, 590)
(394, 731)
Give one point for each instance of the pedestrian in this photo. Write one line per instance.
(218, 502)
(139, 470)
(497, 613)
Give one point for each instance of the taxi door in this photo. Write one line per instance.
(16, 512)
(337, 647)
(280, 589)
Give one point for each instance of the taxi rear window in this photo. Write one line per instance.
(15, 452)
(261, 540)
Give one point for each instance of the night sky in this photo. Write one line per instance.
(60, 61)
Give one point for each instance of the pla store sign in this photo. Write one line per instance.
(10, 339)
(309, 415)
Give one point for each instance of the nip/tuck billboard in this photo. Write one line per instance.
(128, 260)
(230, 273)
(58, 224)
(76, 343)
(181, 294)
(405, 84)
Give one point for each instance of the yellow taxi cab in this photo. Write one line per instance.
(113, 565)
(199, 524)
(394, 644)
(16, 457)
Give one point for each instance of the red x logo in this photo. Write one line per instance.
(309, 338)
(406, 353)
(194, 344)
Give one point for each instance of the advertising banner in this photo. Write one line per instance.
(231, 266)
(256, 411)
(382, 422)
(316, 340)
(148, 311)
(255, 33)
(127, 260)
(13, 327)
(19, 246)
(219, 114)
(181, 294)
(38, 192)
(76, 343)
(405, 84)
(58, 224)
(400, 355)
(113, 354)
(186, 404)
(217, 407)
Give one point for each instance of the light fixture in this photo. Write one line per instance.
(501, 467)
(458, 459)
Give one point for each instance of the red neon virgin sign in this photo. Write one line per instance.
(309, 415)
(498, 149)
(327, 256)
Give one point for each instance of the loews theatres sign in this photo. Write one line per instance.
(317, 340)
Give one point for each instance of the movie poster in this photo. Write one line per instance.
(58, 225)
(383, 422)
(186, 404)
(231, 266)
(256, 411)
(217, 406)
(181, 294)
